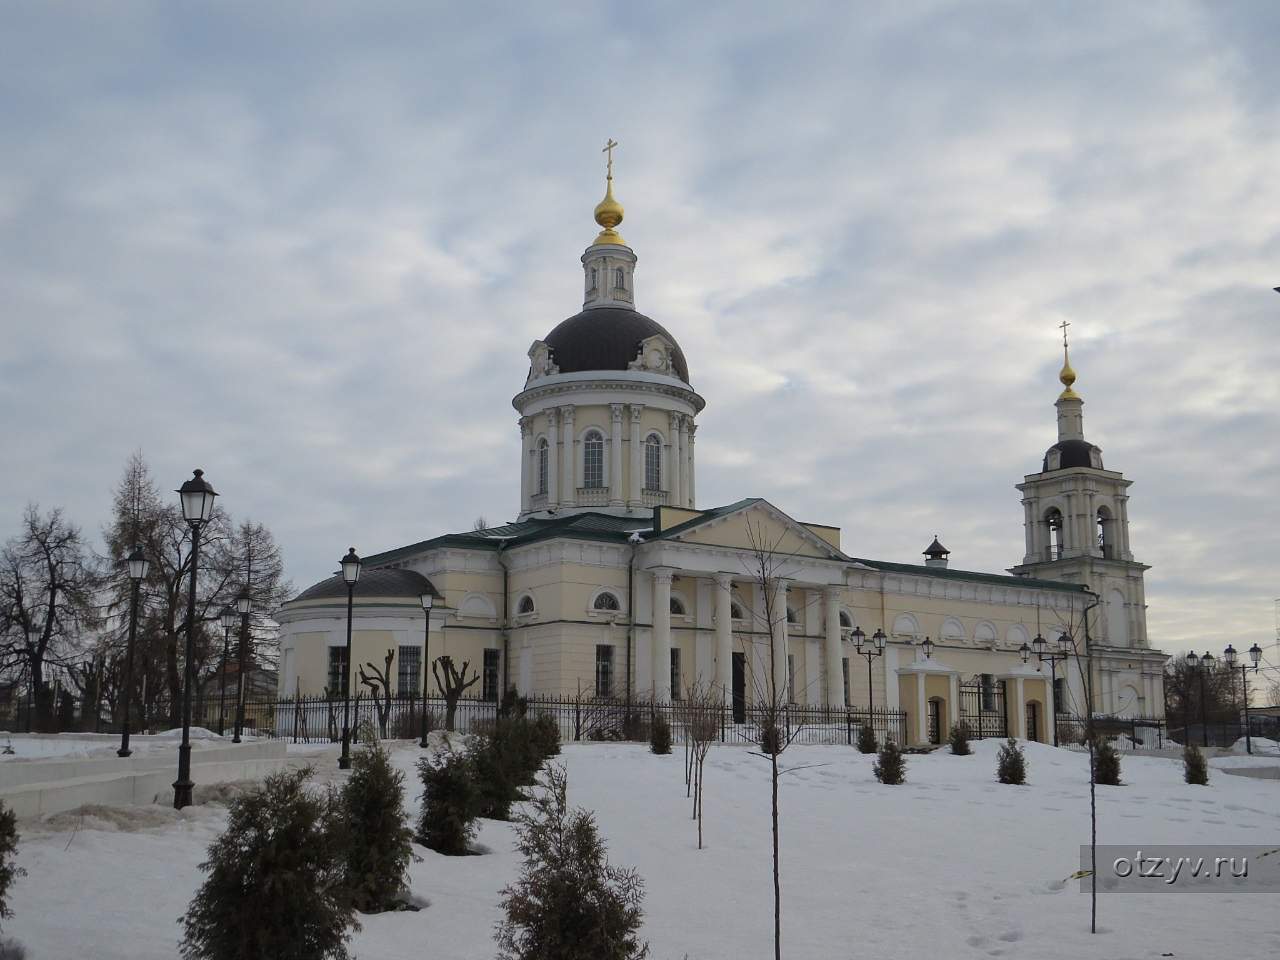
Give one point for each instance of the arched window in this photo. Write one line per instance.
(543, 453)
(735, 612)
(677, 606)
(1106, 528)
(1053, 519)
(526, 604)
(593, 459)
(606, 602)
(620, 278)
(846, 621)
(653, 462)
(593, 278)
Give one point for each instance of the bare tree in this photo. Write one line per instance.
(377, 680)
(702, 709)
(767, 565)
(47, 599)
(454, 683)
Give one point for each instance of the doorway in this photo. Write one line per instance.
(935, 720)
(739, 688)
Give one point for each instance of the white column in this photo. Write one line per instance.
(831, 649)
(1122, 521)
(724, 634)
(922, 706)
(689, 457)
(524, 463)
(953, 702)
(569, 496)
(1019, 711)
(662, 636)
(616, 495)
(553, 457)
(676, 497)
(778, 634)
(634, 498)
(1029, 524)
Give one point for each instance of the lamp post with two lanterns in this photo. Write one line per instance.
(874, 648)
(228, 620)
(351, 574)
(138, 565)
(197, 497)
(1201, 665)
(1255, 655)
(1041, 647)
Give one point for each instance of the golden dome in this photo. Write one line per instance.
(609, 214)
(1068, 378)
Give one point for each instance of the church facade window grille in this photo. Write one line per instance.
(337, 669)
(607, 602)
(675, 673)
(593, 460)
(408, 669)
(653, 462)
(988, 688)
(543, 464)
(489, 679)
(604, 670)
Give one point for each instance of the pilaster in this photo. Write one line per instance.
(617, 496)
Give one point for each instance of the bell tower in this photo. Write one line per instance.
(1076, 519)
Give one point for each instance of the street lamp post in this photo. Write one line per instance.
(1255, 655)
(228, 620)
(875, 647)
(350, 573)
(244, 605)
(1201, 665)
(427, 600)
(1041, 646)
(197, 498)
(138, 566)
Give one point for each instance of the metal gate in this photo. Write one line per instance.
(983, 707)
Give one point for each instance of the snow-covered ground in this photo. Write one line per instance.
(949, 864)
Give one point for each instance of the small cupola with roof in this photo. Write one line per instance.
(607, 411)
(936, 555)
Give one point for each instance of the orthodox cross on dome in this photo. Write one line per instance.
(1063, 327)
(608, 149)
(1067, 376)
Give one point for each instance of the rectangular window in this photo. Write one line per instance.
(593, 462)
(1060, 695)
(408, 670)
(604, 670)
(675, 673)
(988, 693)
(489, 681)
(791, 678)
(337, 664)
(844, 669)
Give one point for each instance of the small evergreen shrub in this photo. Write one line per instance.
(275, 881)
(568, 902)
(1011, 764)
(959, 739)
(1195, 769)
(890, 766)
(771, 740)
(1106, 764)
(499, 770)
(546, 736)
(867, 739)
(374, 837)
(660, 735)
(513, 705)
(9, 871)
(451, 802)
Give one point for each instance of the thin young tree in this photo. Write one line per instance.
(702, 719)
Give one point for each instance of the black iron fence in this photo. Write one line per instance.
(1124, 733)
(982, 709)
(320, 719)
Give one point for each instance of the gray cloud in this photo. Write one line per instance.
(306, 247)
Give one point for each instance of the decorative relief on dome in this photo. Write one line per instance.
(654, 356)
(540, 362)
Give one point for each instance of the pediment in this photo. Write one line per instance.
(755, 525)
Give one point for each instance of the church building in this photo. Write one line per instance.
(613, 582)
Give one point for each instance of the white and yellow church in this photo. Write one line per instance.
(613, 582)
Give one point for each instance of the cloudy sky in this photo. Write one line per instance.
(306, 246)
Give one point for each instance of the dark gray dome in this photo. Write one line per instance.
(606, 338)
(1072, 453)
(372, 583)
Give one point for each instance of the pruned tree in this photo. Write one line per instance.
(702, 710)
(47, 600)
(454, 683)
(379, 684)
